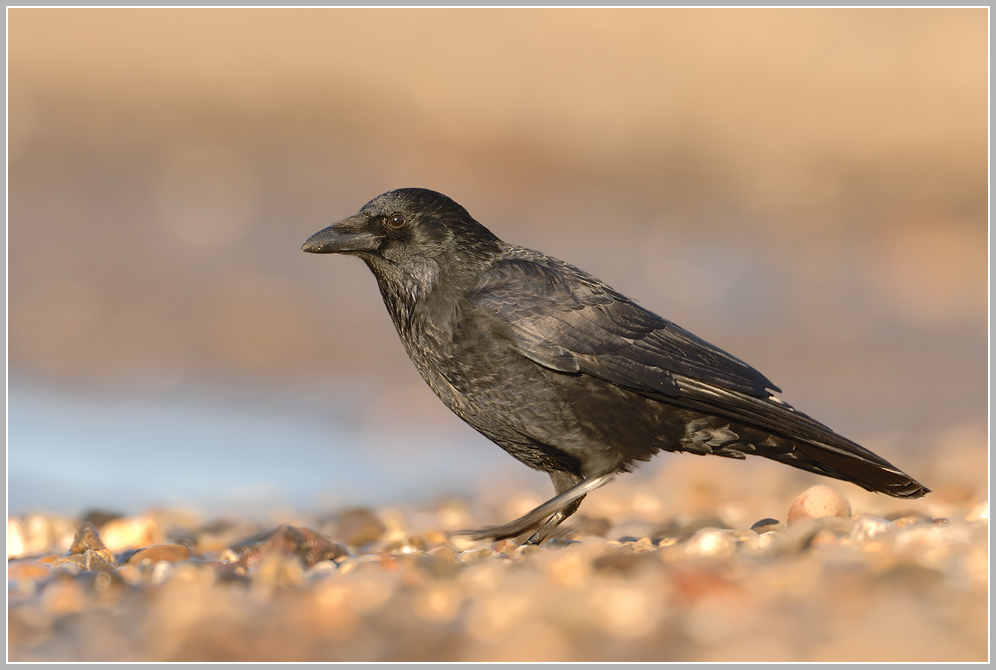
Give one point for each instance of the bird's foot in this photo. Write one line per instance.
(546, 517)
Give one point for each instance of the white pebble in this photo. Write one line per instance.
(711, 542)
(867, 527)
(817, 502)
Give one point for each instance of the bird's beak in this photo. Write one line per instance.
(342, 237)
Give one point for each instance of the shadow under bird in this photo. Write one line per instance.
(563, 372)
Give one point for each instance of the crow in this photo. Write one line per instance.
(564, 373)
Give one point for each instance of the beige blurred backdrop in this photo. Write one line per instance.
(806, 188)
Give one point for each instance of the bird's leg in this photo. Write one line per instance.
(562, 481)
(549, 514)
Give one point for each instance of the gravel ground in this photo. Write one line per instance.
(703, 561)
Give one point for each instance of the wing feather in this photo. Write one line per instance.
(554, 312)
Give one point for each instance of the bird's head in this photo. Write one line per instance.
(402, 227)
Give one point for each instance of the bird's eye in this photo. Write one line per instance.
(396, 220)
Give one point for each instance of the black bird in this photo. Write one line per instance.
(564, 373)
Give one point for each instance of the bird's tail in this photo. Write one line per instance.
(845, 460)
(771, 428)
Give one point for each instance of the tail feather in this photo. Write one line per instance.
(879, 476)
(771, 428)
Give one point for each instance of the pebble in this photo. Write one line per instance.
(761, 543)
(16, 540)
(623, 563)
(476, 554)
(87, 539)
(132, 574)
(907, 519)
(218, 536)
(800, 536)
(88, 560)
(768, 526)
(37, 534)
(321, 569)
(867, 527)
(434, 538)
(27, 569)
(412, 544)
(360, 563)
(171, 553)
(701, 593)
(932, 545)
(277, 569)
(504, 546)
(683, 528)
(643, 544)
(817, 502)
(161, 571)
(357, 527)
(307, 545)
(444, 553)
(120, 534)
(87, 551)
(711, 543)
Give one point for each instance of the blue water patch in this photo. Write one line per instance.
(224, 451)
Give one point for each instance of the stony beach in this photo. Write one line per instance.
(839, 575)
(219, 451)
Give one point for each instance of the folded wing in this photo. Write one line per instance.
(561, 317)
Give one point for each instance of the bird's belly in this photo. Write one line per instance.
(532, 411)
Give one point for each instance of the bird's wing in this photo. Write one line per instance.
(566, 320)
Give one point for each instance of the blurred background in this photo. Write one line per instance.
(804, 188)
